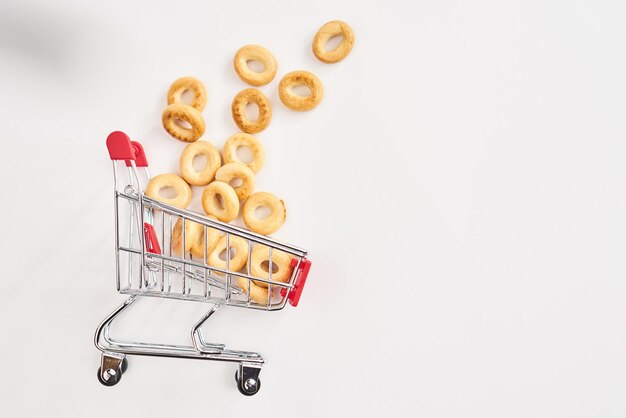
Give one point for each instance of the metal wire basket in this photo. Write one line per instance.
(150, 261)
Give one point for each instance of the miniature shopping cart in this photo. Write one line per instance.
(147, 265)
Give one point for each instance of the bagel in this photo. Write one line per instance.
(294, 101)
(183, 84)
(232, 171)
(176, 112)
(225, 210)
(193, 232)
(273, 221)
(258, 294)
(330, 30)
(238, 257)
(241, 139)
(240, 117)
(255, 53)
(212, 237)
(206, 175)
(261, 255)
(162, 181)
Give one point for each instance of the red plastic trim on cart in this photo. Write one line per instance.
(301, 275)
(120, 147)
(151, 240)
(140, 155)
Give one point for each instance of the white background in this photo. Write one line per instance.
(460, 190)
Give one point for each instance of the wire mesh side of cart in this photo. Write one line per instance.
(148, 265)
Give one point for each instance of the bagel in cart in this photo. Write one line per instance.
(257, 294)
(237, 250)
(260, 265)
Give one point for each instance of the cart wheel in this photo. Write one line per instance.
(115, 375)
(249, 387)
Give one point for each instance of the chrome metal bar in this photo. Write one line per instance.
(130, 234)
(142, 244)
(269, 276)
(204, 251)
(199, 298)
(163, 244)
(183, 253)
(105, 343)
(117, 229)
(248, 271)
(194, 275)
(198, 339)
(227, 267)
(217, 269)
(169, 246)
(226, 228)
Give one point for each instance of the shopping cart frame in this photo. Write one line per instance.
(154, 262)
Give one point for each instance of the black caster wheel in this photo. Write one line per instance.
(249, 387)
(115, 377)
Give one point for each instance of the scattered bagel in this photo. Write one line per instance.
(240, 117)
(207, 174)
(232, 171)
(183, 84)
(177, 112)
(255, 53)
(294, 101)
(242, 139)
(328, 31)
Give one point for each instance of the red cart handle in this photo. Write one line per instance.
(140, 155)
(120, 147)
(301, 275)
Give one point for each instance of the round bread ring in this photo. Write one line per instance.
(230, 208)
(239, 110)
(255, 53)
(229, 172)
(294, 101)
(182, 189)
(193, 231)
(188, 114)
(237, 261)
(183, 84)
(270, 224)
(330, 30)
(206, 175)
(241, 139)
(282, 260)
(258, 294)
(213, 236)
